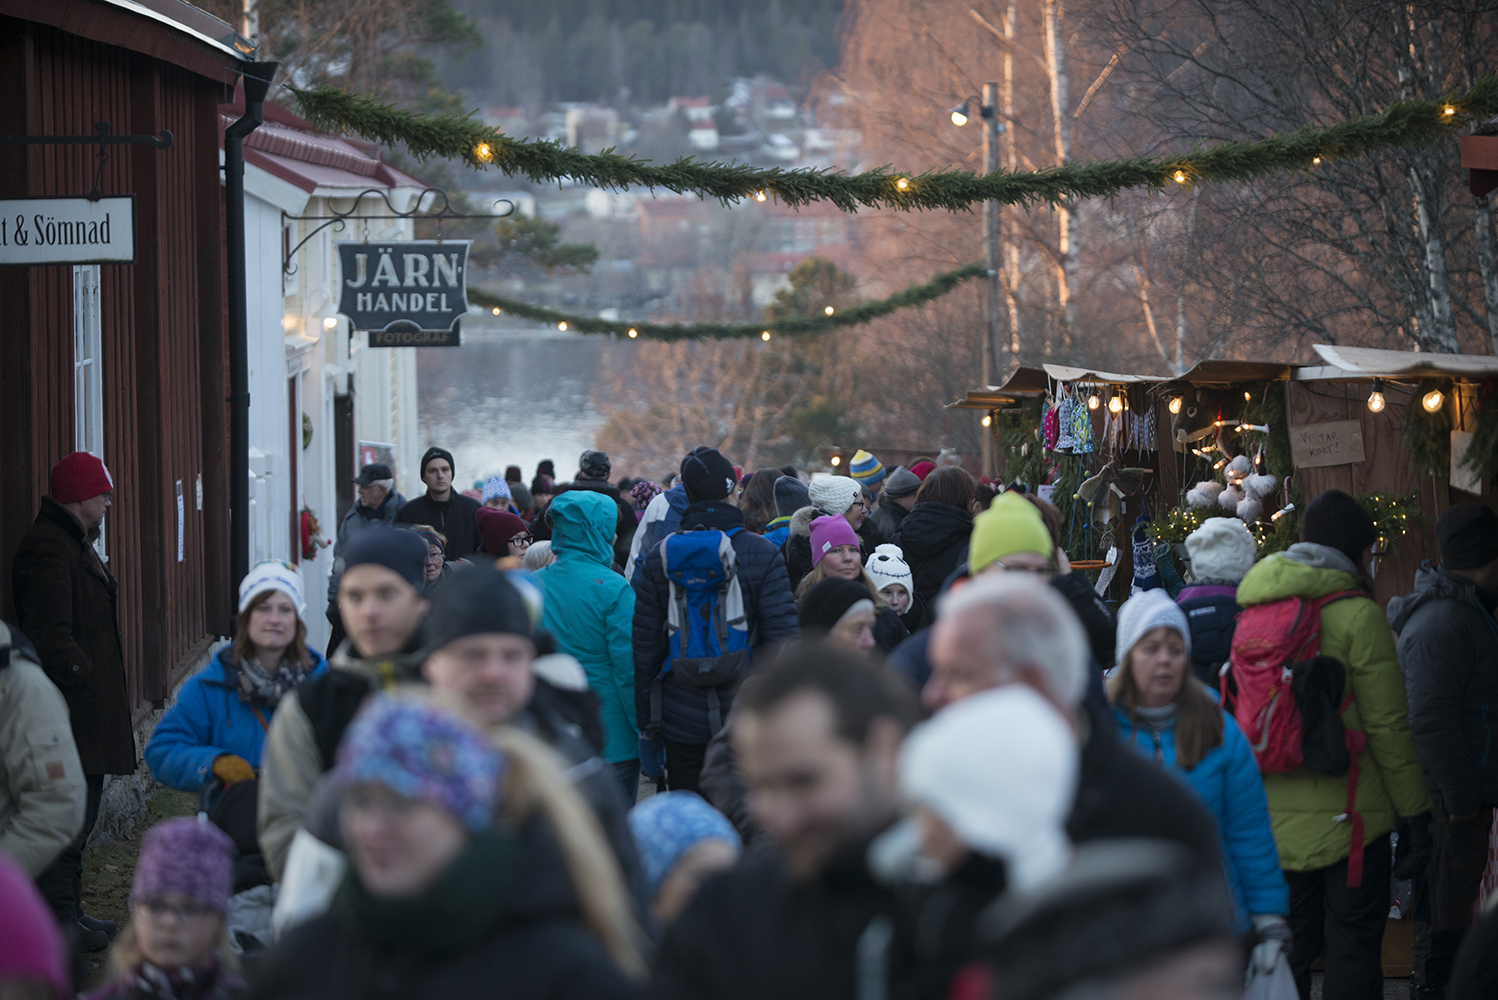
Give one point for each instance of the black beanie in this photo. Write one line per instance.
(1467, 534)
(402, 552)
(435, 452)
(825, 604)
(472, 602)
(594, 465)
(1337, 521)
(707, 476)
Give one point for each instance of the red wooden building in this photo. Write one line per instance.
(127, 360)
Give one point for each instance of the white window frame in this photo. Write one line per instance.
(88, 371)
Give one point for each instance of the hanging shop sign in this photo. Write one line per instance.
(67, 230)
(405, 293)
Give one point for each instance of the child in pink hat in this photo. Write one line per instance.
(176, 946)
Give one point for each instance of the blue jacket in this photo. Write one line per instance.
(208, 720)
(1227, 780)
(656, 531)
(778, 530)
(768, 606)
(589, 609)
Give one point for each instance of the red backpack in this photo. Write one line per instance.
(1270, 687)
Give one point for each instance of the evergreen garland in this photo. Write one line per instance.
(457, 136)
(915, 295)
(1427, 436)
(1019, 437)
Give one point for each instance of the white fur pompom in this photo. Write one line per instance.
(1250, 510)
(1229, 498)
(1204, 494)
(1260, 487)
(1239, 467)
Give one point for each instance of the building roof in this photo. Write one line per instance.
(288, 147)
(170, 30)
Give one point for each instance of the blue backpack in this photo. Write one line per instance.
(707, 630)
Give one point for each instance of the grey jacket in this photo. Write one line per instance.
(1448, 650)
(42, 791)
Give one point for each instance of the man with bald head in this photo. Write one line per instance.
(1000, 628)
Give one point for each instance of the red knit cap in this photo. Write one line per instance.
(79, 477)
(922, 470)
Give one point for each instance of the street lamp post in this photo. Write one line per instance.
(988, 111)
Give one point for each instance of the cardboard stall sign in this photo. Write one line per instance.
(67, 231)
(1338, 442)
(405, 293)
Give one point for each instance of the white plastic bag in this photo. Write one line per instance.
(1278, 985)
(313, 873)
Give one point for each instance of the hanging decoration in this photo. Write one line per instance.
(864, 312)
(1482, 453)
(458, 136)
(1427, 432)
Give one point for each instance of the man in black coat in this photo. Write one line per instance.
(1003, 629)
(818, 737)
(895, 501)
(1448, 650)
(67, 604)
(443, 507)
(685, 725)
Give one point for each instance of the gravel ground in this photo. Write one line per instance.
(109, 870)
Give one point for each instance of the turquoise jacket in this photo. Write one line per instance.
(590, 610)
(1227, 782)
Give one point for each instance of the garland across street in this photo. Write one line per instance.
(1402, 125)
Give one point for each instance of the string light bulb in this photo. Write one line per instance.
(1282, 512)
(562, 327)
(988, 420)
(1433, 400)
(1448, 111)
(1093, 402)
(837, 460)
(1180, 177)
(1115, 404)
(902, 183)
(484, 153)
(1174, 406)
(1316, 160)
(828, 310)
(496, 310)
(765, 336)
(1247, 396)
(760, 196)
(1376, 401)
(633, 333)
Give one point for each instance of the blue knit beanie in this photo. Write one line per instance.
(668, 825)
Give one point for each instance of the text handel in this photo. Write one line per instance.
(404, 284)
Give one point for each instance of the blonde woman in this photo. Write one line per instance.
(473, 864)
(835, 555)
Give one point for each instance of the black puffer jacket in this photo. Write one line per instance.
(1448, 650)
(1097, 618)
(537, 947)
(888, 517)
(934, 538)
(768, 605)
(457, 517)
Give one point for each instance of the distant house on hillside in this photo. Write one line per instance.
(591, 128)
(702, 128)
(509, 120)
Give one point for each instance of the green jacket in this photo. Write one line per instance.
(590, 610)
(1302, 803)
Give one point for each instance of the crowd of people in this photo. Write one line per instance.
(745, 733)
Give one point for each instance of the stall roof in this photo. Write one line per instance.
(1366, 362)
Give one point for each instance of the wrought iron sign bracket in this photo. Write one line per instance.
(338, 220)
(101, 136)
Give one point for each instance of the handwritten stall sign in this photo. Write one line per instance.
(67, 231)
(1339, 442)
(405, 293)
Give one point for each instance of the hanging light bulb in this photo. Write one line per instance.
(988, 420)
(1115, 404)
(1316, 160)
(633, 333)
(760, 196)
(1180, 177)
(483, 152)
(1174, 406)
(1247, 396)
(562, 326)
(496, 310)
(765, 336)
(1433, 400)
(1376, 400)
(902, 183)
(1093, 402)
(1448, 111)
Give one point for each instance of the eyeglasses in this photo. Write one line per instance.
(160, 909)
(1037, 570)
(522, 539)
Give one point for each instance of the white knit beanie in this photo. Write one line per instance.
(272, 574)
(1147, 610)
(1000, 768)
(833, 494)
(887, 565)
(1221, 549)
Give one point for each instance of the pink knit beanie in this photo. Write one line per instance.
(827, 533)
(30, 944)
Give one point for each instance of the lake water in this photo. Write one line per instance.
(511, 397)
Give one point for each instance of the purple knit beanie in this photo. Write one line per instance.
(186, 855)
(827, 533)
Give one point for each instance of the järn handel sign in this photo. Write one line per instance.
(406, 294)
